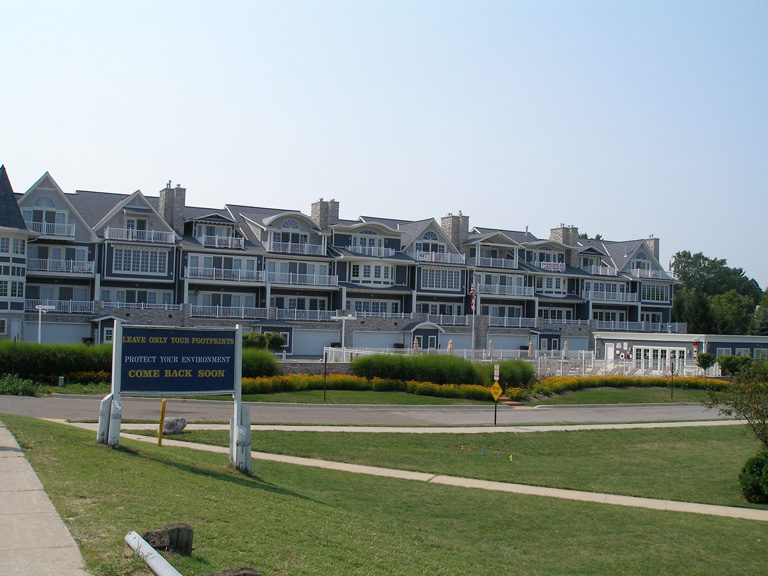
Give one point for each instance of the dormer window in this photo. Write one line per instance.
(430, 243)
(136, 223)
(641, 262)
(290, 233)
(367, 239)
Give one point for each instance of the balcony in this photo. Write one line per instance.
(232, 242)
(448, 319)
(241, 312)
(131, 235)
(59, 266)
(502, 290)
(651, 274)
(374, 251)
(293, 279)
(61, 306)
(439, 257)
(117, 305)
(296, 248)
(51, 229)
(511, 322)
(307, 315)
(486, 262)
(623, 326)
(369, 314)
(600, 270)
(604, 296)
(225, 274)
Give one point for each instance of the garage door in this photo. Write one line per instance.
(312, 342)
(57, 332)
(509, 341)
(376, 339)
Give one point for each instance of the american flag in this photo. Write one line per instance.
(472, 296)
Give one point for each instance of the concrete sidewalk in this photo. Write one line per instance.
(547, 492)
(33, 539)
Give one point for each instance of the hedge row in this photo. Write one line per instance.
(15, 386)
(46, 362)
(558, 384)
(442, 370)
(295, 382)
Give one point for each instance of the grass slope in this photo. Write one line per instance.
(300, 521)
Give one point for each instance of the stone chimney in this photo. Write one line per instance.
(172, 203)
(325, 213)
(653, 245)
(456, 227)
(568, 235)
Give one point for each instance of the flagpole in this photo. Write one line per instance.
(473, 307)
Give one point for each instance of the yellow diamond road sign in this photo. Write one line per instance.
(496, 390)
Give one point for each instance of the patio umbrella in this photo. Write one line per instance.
(449, 348)
(565, 349)
(415, 345)
(490, 348)
(530, 348)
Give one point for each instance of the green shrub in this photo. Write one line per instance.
(46, 362)
(12, 385)
(254, 340)
(512, 373)
(422, 368)
(754, 479)
(732, 365)
(258, 362)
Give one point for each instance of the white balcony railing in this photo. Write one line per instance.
(221, 242)
(227, 311)
(227, 274)
(369, 314)
(65, 306)
(440, 257)
(296, 248)
(449, 319)
(118, 305)
(309, 315)
(484, 262)
(600, 270)
(606, 296)
(73, 266)
(562, 322)
(375, 251)
(500, 290)
(51, 229)
(653, 274)
(131, 235)
(512, 322)
(623, 326)
(291, 278)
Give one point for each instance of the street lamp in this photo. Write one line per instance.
(41, 309)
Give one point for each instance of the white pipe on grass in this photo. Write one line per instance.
(159, 565)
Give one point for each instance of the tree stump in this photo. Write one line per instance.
(180, 538)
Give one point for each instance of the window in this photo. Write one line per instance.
(744, 352)
(17, 289)
(761, 353)
(140, 260)
(372, 273)
(3, 326)
(440, 279)
(108, 334)
(655, 292)
(723, 352)
(4, 245)
(19, 246)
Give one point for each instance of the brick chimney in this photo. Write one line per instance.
(325, 213)
(172, 203)
(653, 245)
(456, 227)
(568, 235)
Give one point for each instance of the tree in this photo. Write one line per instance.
(760, 319)
(705, 361)
(747, 399)
(732, 365)
(702, 280)
(731, 313)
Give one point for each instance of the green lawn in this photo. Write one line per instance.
(688, 464)
(625, 396)
(300, 521)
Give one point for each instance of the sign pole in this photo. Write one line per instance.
(116, 412)
(495, 391)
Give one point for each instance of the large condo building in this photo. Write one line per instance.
(73, 262)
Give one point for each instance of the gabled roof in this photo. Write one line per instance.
(52, 184)
(209, 214)
(126, 204)
(516, 235)
(93, 206)
(493, 236)
(10, 214)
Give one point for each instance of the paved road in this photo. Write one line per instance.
(87, 408)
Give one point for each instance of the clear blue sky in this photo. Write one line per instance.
(622, 118)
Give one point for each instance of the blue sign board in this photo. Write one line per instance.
(165, 360)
